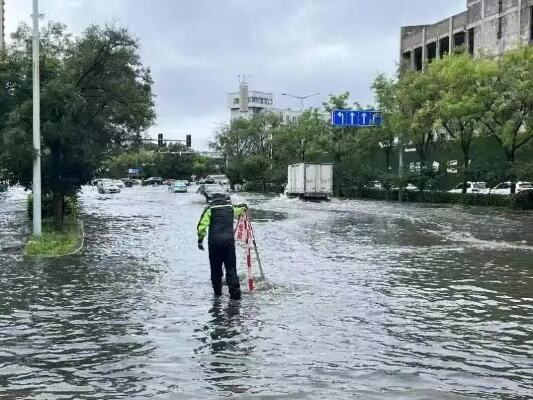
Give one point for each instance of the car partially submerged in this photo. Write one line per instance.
(472, 188)
(178, 187)
(153, 181)
(222, 179)
(211, 191)
(107, 186)
(504, 188)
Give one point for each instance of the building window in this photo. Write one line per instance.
(236, 100)
(471, 41)
(444, 46)
(459, 40)
(419, 63)
(431, 50)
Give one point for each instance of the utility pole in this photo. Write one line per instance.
(401, 165)
(37, 224)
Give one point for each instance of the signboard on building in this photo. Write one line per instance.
(356, 118)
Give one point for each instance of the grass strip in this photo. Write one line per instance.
(53, 243)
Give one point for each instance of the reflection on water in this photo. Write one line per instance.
(364, 300)
(225, 342)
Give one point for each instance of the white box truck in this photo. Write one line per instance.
(310, 181)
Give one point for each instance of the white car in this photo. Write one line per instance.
(118, 183)
(504, 188)
(409, 188)
(472, 188)
(376, 185)
(105, 187)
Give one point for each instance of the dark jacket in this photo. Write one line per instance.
(217, 219)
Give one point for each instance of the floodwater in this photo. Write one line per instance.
(364, 300)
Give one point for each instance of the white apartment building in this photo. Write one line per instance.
(246, 103)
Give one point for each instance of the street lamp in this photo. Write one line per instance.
(301, 98)
(37, 225)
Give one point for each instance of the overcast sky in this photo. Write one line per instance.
(196, 48)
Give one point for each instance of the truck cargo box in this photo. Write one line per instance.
(311, 181)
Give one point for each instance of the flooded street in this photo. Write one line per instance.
(365, 300)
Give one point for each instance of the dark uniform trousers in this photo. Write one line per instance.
(222, 252)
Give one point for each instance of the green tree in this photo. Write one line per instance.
(386, 92)
(338, 141)
(460, 84)
(248, 139)
(415, 115)
(510, 104)
(95, 96)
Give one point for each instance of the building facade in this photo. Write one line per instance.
(246, 103)
(488, 27)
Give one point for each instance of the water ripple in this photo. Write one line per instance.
(363, 300)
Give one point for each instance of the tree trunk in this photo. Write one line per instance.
(387, 158)
(511, 159)
(465, 173)
(336, 177)
(58, 211)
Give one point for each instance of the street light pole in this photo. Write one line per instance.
(301, 98)
(37, 224)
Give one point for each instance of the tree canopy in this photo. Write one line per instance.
(96, 96)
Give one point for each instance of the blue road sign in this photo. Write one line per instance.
(356, 118)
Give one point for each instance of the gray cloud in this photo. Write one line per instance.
(196, 48)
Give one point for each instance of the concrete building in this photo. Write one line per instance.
(487, 27)
(246, 103)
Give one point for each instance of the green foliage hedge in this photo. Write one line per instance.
(70, 205)
(260, 188)
(522, 200)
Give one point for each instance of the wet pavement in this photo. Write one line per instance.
(365, 300)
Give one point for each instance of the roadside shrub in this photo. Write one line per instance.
(258, 187)
(524, 200)
(70, 205)
(436, 197)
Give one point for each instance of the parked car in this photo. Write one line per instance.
(127, 182)
(119, 183)
(222, 179)
(106, 186)
(504, 188)
(210, 190)
(472, 188)
(374, 185)
(410, 188)
(178, 187)
(153, 181)
(169, 182)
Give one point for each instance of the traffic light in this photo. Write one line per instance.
(159, 140)
(188, 141)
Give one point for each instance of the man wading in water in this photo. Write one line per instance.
(218, 218)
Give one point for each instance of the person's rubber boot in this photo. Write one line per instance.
(235, 295)
(218, 291)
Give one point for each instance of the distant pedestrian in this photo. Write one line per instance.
(217, 222)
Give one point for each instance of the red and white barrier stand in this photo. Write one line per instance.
(245, 233)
